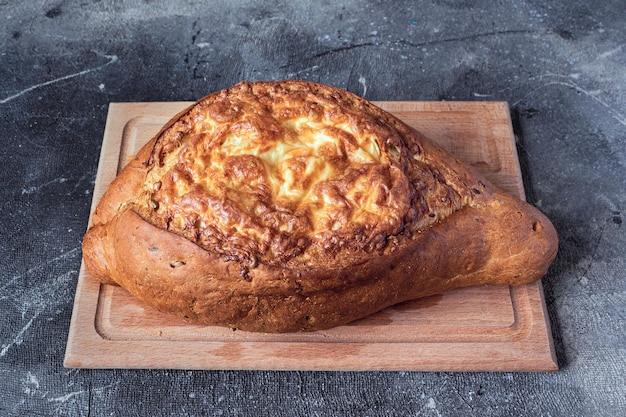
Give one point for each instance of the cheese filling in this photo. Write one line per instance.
(269, 176)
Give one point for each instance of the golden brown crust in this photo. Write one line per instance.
(241, 213)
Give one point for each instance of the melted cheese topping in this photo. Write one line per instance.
(269, 172)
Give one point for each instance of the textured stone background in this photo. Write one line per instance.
(561, 65)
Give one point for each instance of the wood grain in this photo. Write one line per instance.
(487, 328)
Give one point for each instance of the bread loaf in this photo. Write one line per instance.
(294, 206)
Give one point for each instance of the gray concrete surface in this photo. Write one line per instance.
(561, 65)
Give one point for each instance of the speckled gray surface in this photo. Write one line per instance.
(561, 66)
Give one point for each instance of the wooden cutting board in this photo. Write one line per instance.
(486, 328)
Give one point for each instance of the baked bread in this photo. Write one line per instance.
(293, 206)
